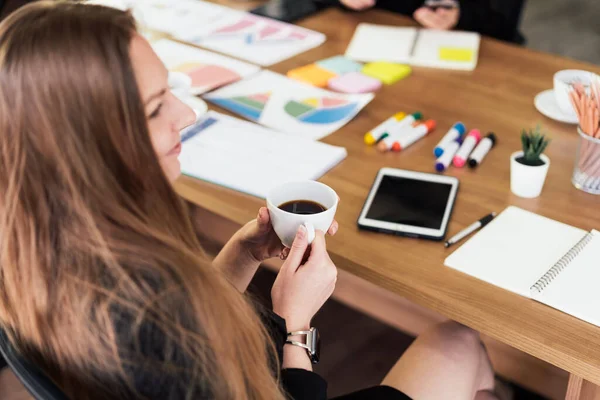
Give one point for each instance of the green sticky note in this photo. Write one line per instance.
(456, 54)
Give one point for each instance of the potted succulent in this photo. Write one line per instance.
(528, 168)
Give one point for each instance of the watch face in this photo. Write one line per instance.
(315, 345)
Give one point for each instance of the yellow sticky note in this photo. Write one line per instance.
(312, 74)
(386, 72)
(456, 54)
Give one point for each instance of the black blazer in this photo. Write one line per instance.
(298, 383)
(495, 18)
(32, 378)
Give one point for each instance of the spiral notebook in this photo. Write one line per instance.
(537, 257)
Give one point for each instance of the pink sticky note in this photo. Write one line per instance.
(354, 82)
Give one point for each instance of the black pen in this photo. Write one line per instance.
(470, 229)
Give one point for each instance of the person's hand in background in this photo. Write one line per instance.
(358, 5)
(442, 18)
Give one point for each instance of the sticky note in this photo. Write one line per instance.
(386, 72)
(456, 54)
(354, 82)
(311, 74)
(340, 65)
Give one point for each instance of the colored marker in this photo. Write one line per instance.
(407, 122)
(457, 130)
(486, 144)
(469, 143)
(391, 141)
(375, 134)
(443, 162)
(418, 132)
(386, 143)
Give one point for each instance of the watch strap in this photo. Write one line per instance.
(298, 333)
(295, 343)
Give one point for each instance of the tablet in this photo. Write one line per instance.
(409, 203)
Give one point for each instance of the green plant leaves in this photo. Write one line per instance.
(534, 143)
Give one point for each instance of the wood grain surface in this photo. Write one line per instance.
(497, 96)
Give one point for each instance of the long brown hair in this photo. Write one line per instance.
(95, 245)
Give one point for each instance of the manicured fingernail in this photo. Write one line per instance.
(334, 230)
(301, 232)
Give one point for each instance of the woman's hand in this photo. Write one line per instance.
(300, 290)
(441, 18)
(358, 5)
(260, 240)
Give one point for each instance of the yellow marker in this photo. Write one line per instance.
(459, 54)
(375, 134)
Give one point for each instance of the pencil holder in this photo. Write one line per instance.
(586, 176)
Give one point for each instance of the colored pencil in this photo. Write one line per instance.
(587, 107)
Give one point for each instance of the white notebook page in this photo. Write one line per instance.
(431, 42)
(250, 158)
(576, 290)
(515, 249)
(381, 43)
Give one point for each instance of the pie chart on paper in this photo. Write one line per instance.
(320, 110)
(206, 77)
(249, 106)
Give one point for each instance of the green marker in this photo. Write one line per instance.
(375, 134)
(407, 122)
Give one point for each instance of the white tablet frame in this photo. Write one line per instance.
(409, 230)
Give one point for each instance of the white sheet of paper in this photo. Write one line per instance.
(252, 38)
(174, 16)
(250, 158)
(207, 70)
(373, 42)
(288, 105)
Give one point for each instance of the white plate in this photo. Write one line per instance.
(545, 102)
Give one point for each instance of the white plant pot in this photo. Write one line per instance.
(525, 180)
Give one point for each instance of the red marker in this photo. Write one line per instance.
(467, 147)
(410, 137)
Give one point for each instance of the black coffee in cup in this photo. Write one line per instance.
(305, 207)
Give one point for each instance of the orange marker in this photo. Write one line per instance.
(408, 138)
(386, 143)
(405, 137)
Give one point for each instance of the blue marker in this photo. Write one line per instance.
(443, 162)
(453, 134)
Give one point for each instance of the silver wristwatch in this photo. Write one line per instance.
(312, 345)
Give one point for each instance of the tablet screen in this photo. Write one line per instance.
(412, 202)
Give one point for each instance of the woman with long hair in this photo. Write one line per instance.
(103, 283)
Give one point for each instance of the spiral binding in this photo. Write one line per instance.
(553, 272)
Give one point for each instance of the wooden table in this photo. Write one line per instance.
(497, 96)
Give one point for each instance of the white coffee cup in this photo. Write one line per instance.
(286, 224)
(562, 84)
